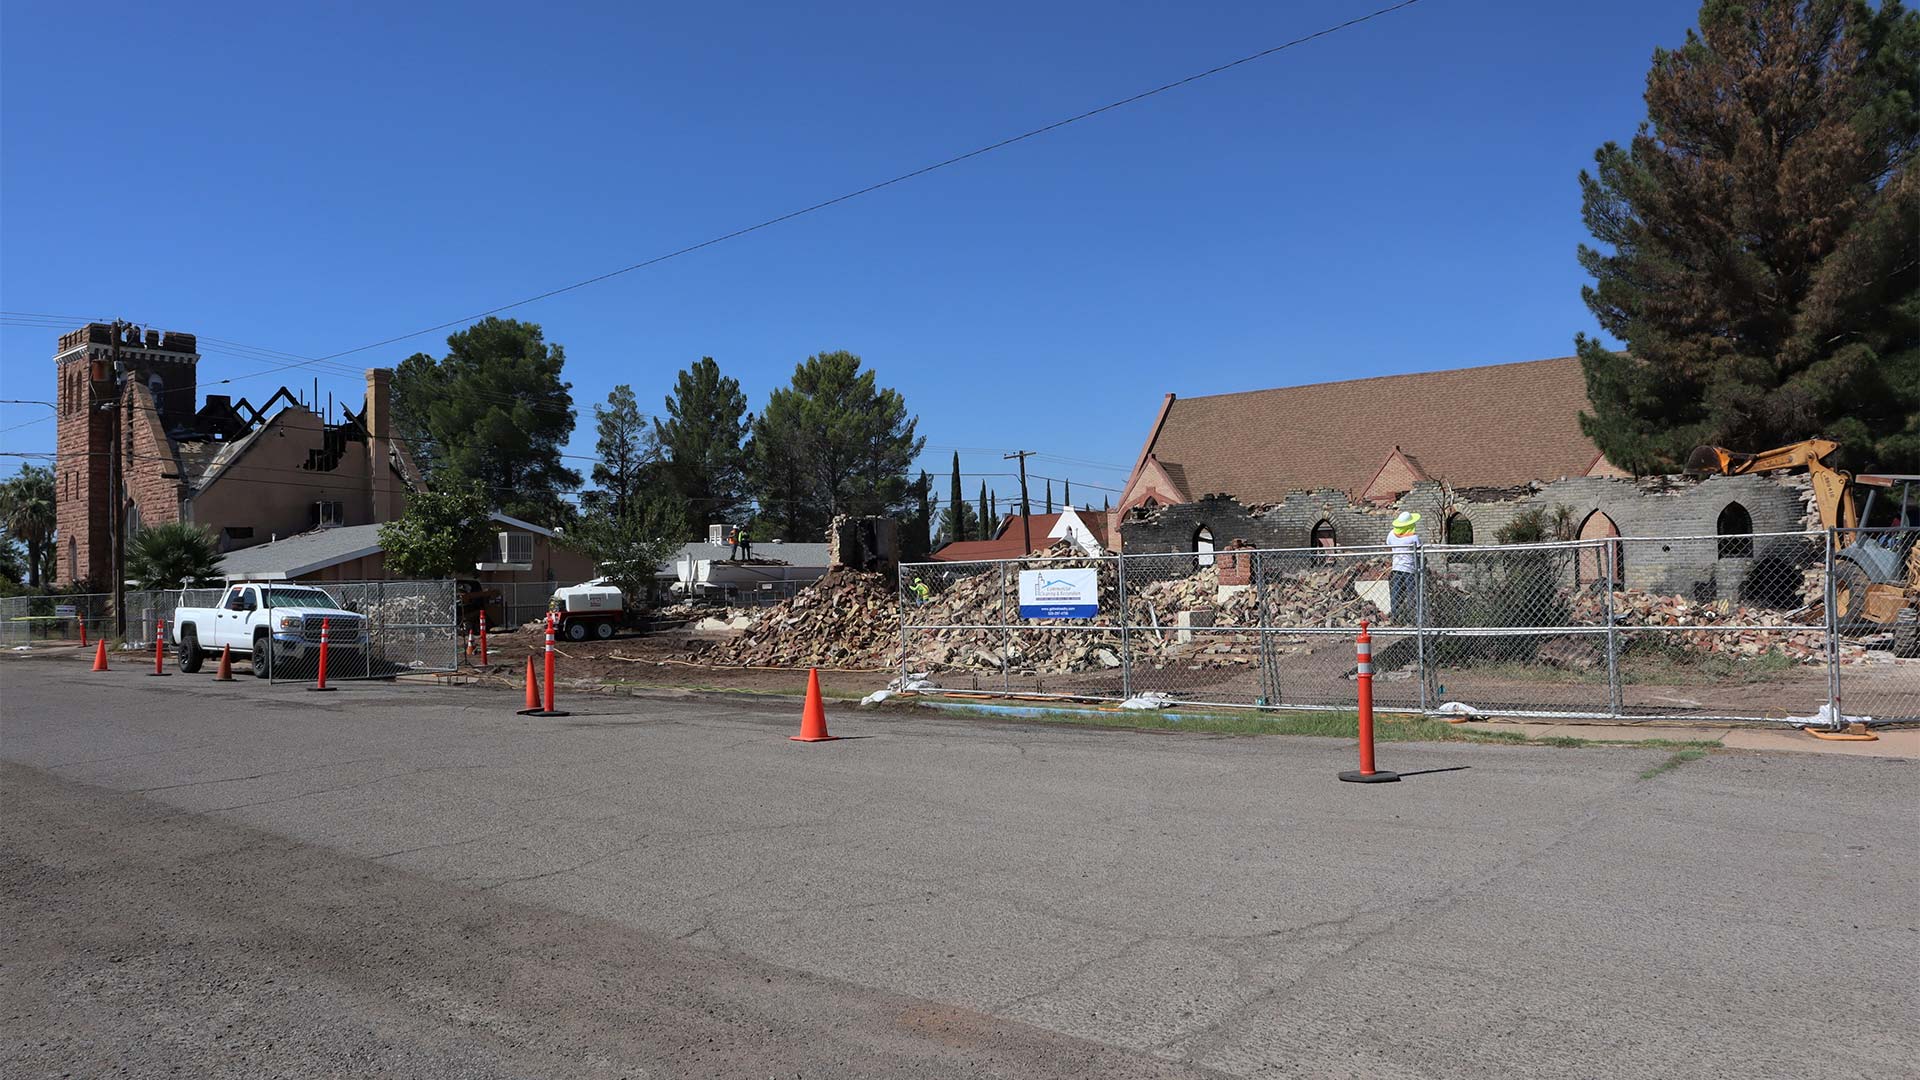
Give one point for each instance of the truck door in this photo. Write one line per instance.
(236, 618)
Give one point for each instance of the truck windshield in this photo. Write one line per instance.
(299, 598)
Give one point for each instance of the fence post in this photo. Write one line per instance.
(1268, 684)
(1833, 639)
(900, 589)
(1006, 637)
(1419, 625)
(1126, 632)
(1614, 703)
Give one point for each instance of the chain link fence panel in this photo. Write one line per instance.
(1768, 626)
(55, 619)
(390, 628)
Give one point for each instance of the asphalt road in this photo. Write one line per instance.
(412, 881)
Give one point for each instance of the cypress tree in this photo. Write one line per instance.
(956, 505)
(1066, 493)
(1049, 496)
(986, 523)
(1762, 241)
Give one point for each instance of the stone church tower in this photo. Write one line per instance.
(121, 391)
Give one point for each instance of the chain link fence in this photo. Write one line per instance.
(26, 621)
(1771, 626)
(389, 628)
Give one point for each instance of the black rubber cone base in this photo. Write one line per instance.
(543, 712)
(321, 689)
(1355, 776)
(160, 674)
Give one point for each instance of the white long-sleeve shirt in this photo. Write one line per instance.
(1404, 546)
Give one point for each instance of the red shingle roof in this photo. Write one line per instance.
(1008, 544)
(1496, 426)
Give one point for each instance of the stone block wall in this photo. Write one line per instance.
(1644, 513)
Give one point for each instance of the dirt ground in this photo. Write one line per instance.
(1315, 673)
(663, 661)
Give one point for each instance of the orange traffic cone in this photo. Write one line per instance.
(533, 691)
(100, 655)
(813, 718)
(225, 673)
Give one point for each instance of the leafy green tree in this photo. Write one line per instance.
(1761, 246)
(629, 546)
(28, 514)
(701, 442)
(173, 555)
(13, 569)
(494, 411)
(832, 442)
(623, 452)
(441, 534)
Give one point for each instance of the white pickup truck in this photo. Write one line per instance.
(276, 625)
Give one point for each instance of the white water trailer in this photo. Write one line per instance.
(594, 609)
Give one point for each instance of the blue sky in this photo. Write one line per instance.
(1397, 197)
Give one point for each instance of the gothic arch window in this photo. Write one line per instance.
(1593, 559)
(1203, 545)
(1735, 529)
(1459, 529)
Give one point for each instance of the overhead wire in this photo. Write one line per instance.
(327, 362)
(901, 178)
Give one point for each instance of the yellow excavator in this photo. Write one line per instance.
(1876, 571)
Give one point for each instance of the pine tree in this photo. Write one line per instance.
(493, 412)
(699, 442)
(832, 442)
(622, 448)
(1761, 226)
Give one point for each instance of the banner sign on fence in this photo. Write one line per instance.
(65, 611)
(1059, 594)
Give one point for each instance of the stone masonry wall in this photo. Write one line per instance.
(1641, 511)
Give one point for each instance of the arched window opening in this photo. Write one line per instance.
(1459, 529)
(1323, 535)
(1735, 529)
(1592, 564)
(1203, 545)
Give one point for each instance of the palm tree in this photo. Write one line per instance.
(27, 510)
(172, 555)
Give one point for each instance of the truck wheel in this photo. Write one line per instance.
(1906, 633)
(262, 656)
(1850, 584)
(603, 631)
(576, 631)
(190, 655)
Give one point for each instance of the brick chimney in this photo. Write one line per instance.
(383, 488)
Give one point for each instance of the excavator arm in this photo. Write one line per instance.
(1831, 487)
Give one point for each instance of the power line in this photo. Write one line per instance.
(903, 177)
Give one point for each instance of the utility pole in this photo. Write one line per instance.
(1026, 512)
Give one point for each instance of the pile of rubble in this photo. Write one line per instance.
(847, 619)
(1705, 624)
(851, 619)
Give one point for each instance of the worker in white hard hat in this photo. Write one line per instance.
(1403, 590)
